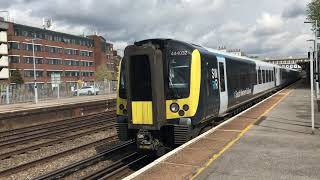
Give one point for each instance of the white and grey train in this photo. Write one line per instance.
(169, 90)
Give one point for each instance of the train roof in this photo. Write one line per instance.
(211, 50)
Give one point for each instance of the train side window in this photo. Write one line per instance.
(263, 76)
(268, 76)
(270, 79)
(272, 75)
(259, 76)
(222, 78)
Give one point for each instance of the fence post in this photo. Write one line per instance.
(58, 93)
(7, 95)
(77, 89)
(94, 88)
(109, 87)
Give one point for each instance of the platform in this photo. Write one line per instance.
(271, 140)
(53, 103)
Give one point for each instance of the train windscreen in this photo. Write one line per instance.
(122, 86)
(141, 89)
(178, 77)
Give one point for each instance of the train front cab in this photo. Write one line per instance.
(152, 110)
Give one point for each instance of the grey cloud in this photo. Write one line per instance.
(210, 23)
(294, 10)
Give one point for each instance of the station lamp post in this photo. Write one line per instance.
(34, 71)
(311, 73)
(315, 56)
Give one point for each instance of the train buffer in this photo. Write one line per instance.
(271, 140)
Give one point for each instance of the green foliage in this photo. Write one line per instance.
(103, 73)
(16, 77)
(313, 11)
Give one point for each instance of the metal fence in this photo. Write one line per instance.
(19, 93)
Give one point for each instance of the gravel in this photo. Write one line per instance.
(47, 151)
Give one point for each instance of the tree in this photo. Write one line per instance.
(313, 11)
(103, 73)
(16, 77)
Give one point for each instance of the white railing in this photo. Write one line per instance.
(4, 73)
(3, 36)
(18, 93)
(4, 61)
(4, 49)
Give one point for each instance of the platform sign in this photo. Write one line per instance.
(55, 79)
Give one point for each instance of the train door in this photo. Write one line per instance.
(278, 77)
(212, 86)
(274, 76)
(223, 88)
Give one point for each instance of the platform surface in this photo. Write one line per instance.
(53, 103)
(272, 140)
(279, 147)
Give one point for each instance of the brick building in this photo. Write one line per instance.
(73, 57)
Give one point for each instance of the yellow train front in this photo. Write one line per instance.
(156, 103)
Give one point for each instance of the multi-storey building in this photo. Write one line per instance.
(72, 57)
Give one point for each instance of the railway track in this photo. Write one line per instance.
(53, 157)
(128, 158)
(61, 130)
(72, 168)
(56, 141)
(20, 132)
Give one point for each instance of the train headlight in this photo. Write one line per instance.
(174, 107)
(121, 106)
(181, 113)
(185, 107)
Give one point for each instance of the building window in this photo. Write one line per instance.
(54, 61)
(75, 63)
(66, 40)
(39, 60)
(75, 52)
(53, 49)
(54, 72)
(71, 73)
(59, 50)
(37, 47)
(48, 37)
(86, 74)
(14, 45)
(68, 62)
(86, 53)
(14, 59)
(28, 47)
(29, 73)
(81, 63)
(28, 60)
(68, 51)
(57, 38)
(24, 33)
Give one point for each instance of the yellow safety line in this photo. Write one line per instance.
(215, 156)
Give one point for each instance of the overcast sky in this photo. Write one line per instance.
(260, 27)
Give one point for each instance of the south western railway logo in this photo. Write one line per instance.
(240, 93)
